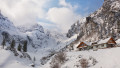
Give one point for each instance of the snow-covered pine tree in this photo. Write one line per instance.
(25, 46)
(12, 45)
(3, 43)
(19, 47)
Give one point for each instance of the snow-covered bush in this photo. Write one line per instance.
(61, 57)
(52, 52)
(44, 60)
(58, 60)
(55, 65)
(94, 61)
(26, 55)
(13, 50)
(33, 65)
(84, 63)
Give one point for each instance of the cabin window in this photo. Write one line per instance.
(105, 45)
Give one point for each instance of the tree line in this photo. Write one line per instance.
(13, 44)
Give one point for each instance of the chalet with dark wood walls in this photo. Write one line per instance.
(106, 43)
(84, 46)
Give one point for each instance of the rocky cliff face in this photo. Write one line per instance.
(75, 28)
(102, 23)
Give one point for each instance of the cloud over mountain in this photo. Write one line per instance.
(22, 12)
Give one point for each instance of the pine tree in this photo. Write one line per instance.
(12, 44)
(19, 47)
(3, 43)
(34, 59)
(25, 46)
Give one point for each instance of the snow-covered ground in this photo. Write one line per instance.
(8, 60)
(106, 58)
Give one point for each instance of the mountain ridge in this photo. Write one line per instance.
(101, 24)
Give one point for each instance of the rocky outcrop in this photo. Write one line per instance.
(103, 23)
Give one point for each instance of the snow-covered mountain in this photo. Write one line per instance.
(40, 42)
(101, 24)
(6, 24)
(36, 35)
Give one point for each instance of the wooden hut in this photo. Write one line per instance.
(106, 43)
(84, 46)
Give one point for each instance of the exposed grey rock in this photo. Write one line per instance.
(103, 23)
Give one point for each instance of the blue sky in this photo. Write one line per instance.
(56, 15)
(86, 6)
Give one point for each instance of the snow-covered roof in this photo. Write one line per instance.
(88, 43)
(104, 41)
(118, 41)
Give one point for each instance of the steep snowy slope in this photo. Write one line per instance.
(5, 24)
(75, 28)
(8, 60)
(9, 31)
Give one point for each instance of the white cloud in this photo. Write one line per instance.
(49, 26)
(63, 17)
(63, 3)
(68, 5)
(23, 11)
(28, 11)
